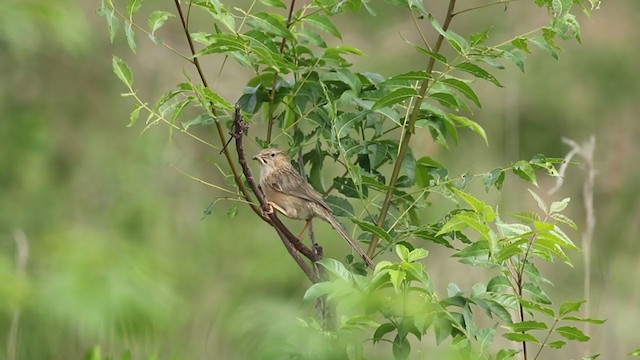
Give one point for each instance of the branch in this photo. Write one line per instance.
(272, 95)
(586, 151)
(408, 131)
(220, 131)
(505, 2)
(291, 242)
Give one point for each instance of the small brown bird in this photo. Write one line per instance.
(287, 192)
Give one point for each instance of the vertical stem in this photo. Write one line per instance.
(409, 130)
(587, 237)
(22, 255)
(272, 95)
(520, 307)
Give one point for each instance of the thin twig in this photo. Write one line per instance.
(122, 16)
(482, 6)
(22, 256)
(220, 131)
(272, 95)
(409, 130)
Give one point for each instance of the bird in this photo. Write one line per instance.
(287, 192)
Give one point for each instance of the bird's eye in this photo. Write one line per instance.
(273, 154)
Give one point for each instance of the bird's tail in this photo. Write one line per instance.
(334, 222)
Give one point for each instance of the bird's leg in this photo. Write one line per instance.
(306, 225)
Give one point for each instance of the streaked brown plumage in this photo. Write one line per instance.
(287, 192)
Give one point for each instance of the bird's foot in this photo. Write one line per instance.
(270, 210)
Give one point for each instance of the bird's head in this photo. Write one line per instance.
(272, 158)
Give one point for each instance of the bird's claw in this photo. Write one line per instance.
(270, 209)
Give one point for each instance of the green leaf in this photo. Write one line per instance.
(223, 43)
(565, 220)
(498, 283)
(274, 3)
(589, 320)
(456, 41)
(512, 230)
(219, 12)
(402, 251)
(635, 352)
(442, 328)
(557, 344)
(476, 204)
(521, 43)
(336, 268)
(474, 126)
(592, 357)
(217, 100)
(382, 330)
(317, 290)
(536, 293)
(395, 97)
(519, 337)
(372, 228)
(340, 206)
(525, 326)
(313, 37)
(541, 43)
(541, 204)
(535, 306)
(112, 23)
(570, 306)
(431, 54)
(401, 348)
(157, 19)
(464, 89)
(558, 206)
(271, 24)
(131, 40)
(201, 119)
(478, 72)
(495, 178)
(525, 171)
(510, 250)
(527, 217)
(447, 100)
(499, 310)
(507, 354)
(572, 333)
(477, 249)
(133, 6)
(417, 254)
(396, 276)
(323, 23)
(411, 75)
(122, 71)
(134, 115)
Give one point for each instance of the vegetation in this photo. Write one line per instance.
(107, 253)
(324, 111)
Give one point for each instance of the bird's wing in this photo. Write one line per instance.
(289, 182)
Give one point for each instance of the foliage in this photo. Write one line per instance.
(315, 105)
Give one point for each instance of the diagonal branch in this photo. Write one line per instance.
(408, 131)
(220, 131)
(291, 242)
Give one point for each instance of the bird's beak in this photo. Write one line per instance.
(255, 157)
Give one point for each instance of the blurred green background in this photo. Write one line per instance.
(116, 252)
